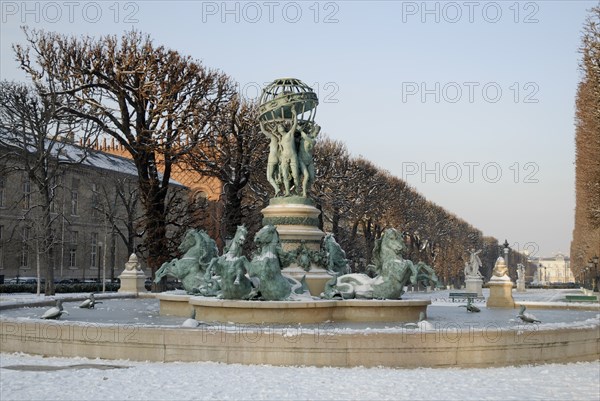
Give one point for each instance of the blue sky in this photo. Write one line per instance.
(472, 102)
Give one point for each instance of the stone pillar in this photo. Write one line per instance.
(474, 285)
(500, 293)
(297, 222)
(133, 278)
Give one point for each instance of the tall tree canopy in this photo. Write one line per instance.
(586, 235)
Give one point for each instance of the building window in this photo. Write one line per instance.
(24, 248)
(94, 251)
(73, 249)
(74, 202)
(26, 194)
(73, 238)
(95, 200)
(2, 191)
(73, 258)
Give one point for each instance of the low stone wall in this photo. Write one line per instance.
(317, 311)
(322, 346)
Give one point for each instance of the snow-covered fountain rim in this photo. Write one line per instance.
(321, 345)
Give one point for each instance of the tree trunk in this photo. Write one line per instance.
(335, 222)
(37, 266)
(233, 210)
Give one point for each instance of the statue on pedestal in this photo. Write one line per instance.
(473, 265)
(520, 272)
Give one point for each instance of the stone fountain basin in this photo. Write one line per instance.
(134, 329)
(284, 312)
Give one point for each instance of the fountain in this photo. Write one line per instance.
(299, 274)
(294, 302)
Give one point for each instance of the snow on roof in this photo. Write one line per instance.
(70, 153)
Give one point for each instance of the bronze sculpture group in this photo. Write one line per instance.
(233, 276)
(286, 116)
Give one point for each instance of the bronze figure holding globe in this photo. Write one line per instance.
(287, 109)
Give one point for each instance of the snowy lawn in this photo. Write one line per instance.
(24, 377)
(214, 381)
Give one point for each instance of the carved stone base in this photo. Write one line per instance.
(521, 285)
(500, 293)
(315, 278)
(296, 219)
(473, 285)
(132, 281)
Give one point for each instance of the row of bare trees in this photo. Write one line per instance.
(359, 200)
(586, 235)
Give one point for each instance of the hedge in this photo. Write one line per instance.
(59, 288)
(75, 287)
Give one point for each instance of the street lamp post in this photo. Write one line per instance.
(505, 250)
(593, 266)
(99, 257)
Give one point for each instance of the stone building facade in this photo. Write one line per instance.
(203, 192)
(94, 213)
(555, 269)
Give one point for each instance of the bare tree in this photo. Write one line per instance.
(155, 102)
(118, 203)
(230, 152)
(32, 133)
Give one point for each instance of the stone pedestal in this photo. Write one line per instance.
(297, 222)
(474, 284)
(133, 278)
(500, 293)
(521, 285)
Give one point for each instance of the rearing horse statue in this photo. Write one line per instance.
(231, 270)
(198, 250)
(267, 264)
(393, 273)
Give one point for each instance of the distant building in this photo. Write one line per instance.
(556, 269)
(85, 240)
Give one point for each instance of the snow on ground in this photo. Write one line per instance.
(204, 380)
(215, 381)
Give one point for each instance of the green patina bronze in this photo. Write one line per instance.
(265, 267)
(230, 271)
(198, 250)
(292, 200)
(291, 220)
(287, 109)
(335, 257)
(392, 273)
